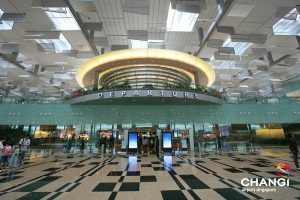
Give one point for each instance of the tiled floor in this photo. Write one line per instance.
(213, 176)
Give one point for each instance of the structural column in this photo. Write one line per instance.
(158, 133)
(191, 134)
(126, 137)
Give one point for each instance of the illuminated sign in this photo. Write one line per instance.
(147, 93)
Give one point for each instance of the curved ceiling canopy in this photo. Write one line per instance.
(102, 64)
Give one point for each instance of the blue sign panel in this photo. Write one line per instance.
(132, 140)
(167, 140)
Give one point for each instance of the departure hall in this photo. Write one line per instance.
(149, 99)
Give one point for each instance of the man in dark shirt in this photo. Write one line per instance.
(294, 149)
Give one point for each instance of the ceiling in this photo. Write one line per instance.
(253, 45)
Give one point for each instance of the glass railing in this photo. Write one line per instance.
(32, 100)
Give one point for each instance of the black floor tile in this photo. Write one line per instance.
(7, 179)
(193, 182)
(34, 196)
(130, 186)
(133, 173)
(104, 187)
(159, 169)
(156, 162)
(94, 163)
(238, 159)
(68, 163)
(233, 170)
(249, 169)
(51, 169)
(173, 194)
(115, 173)
(121, 179)
(112, 195)
(214, 158)
(38, 184)
(231, 194)
(146, 165)
(260, 165)
(77, 166)
(181, 161)
(148, 179)
(113, 163)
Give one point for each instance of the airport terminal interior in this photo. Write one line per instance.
(149, 99)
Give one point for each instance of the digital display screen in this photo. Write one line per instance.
(115, 133)
(175, 134)
(132, 140)
(167, 140)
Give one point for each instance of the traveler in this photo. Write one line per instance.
(82, 143)
(294, 149)
(157, 146)
(15, 153)
(151, 144)
(24, 144)
(5, 156)
(145, 145)
(2, 140)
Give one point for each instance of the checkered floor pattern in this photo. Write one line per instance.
(212, 176)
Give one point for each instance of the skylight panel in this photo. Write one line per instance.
(5, 25)
(239, 47)
(62, 18)
(180, 21)
(287, 26)
(136, 44)
(60, 44)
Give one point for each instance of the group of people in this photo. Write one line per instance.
(11, 156)
(147, 144)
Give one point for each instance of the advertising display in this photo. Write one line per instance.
(132, 140)
(167, 140)
(175, 134)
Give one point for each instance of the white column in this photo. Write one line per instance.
(191, 134)
(158, 133)
(126, 137)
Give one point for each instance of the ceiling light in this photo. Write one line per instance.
(155, 41)
(239, 47)
(244, 86)
(136, 44)
(24, 75)
(274, 79)
(60, 63)
(180, 21)
(62, 18)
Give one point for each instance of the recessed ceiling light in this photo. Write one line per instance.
(58, 62)
(274, 79)
(24, 75)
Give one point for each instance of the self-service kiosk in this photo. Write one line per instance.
(132, 142)
(167, 141)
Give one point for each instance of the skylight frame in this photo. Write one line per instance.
(181, 21)
(62, 18)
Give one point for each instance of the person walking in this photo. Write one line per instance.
(294, 149)
(157, 146)
(2, 140)
(5, 156)
(24, 145)
(13, 162)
